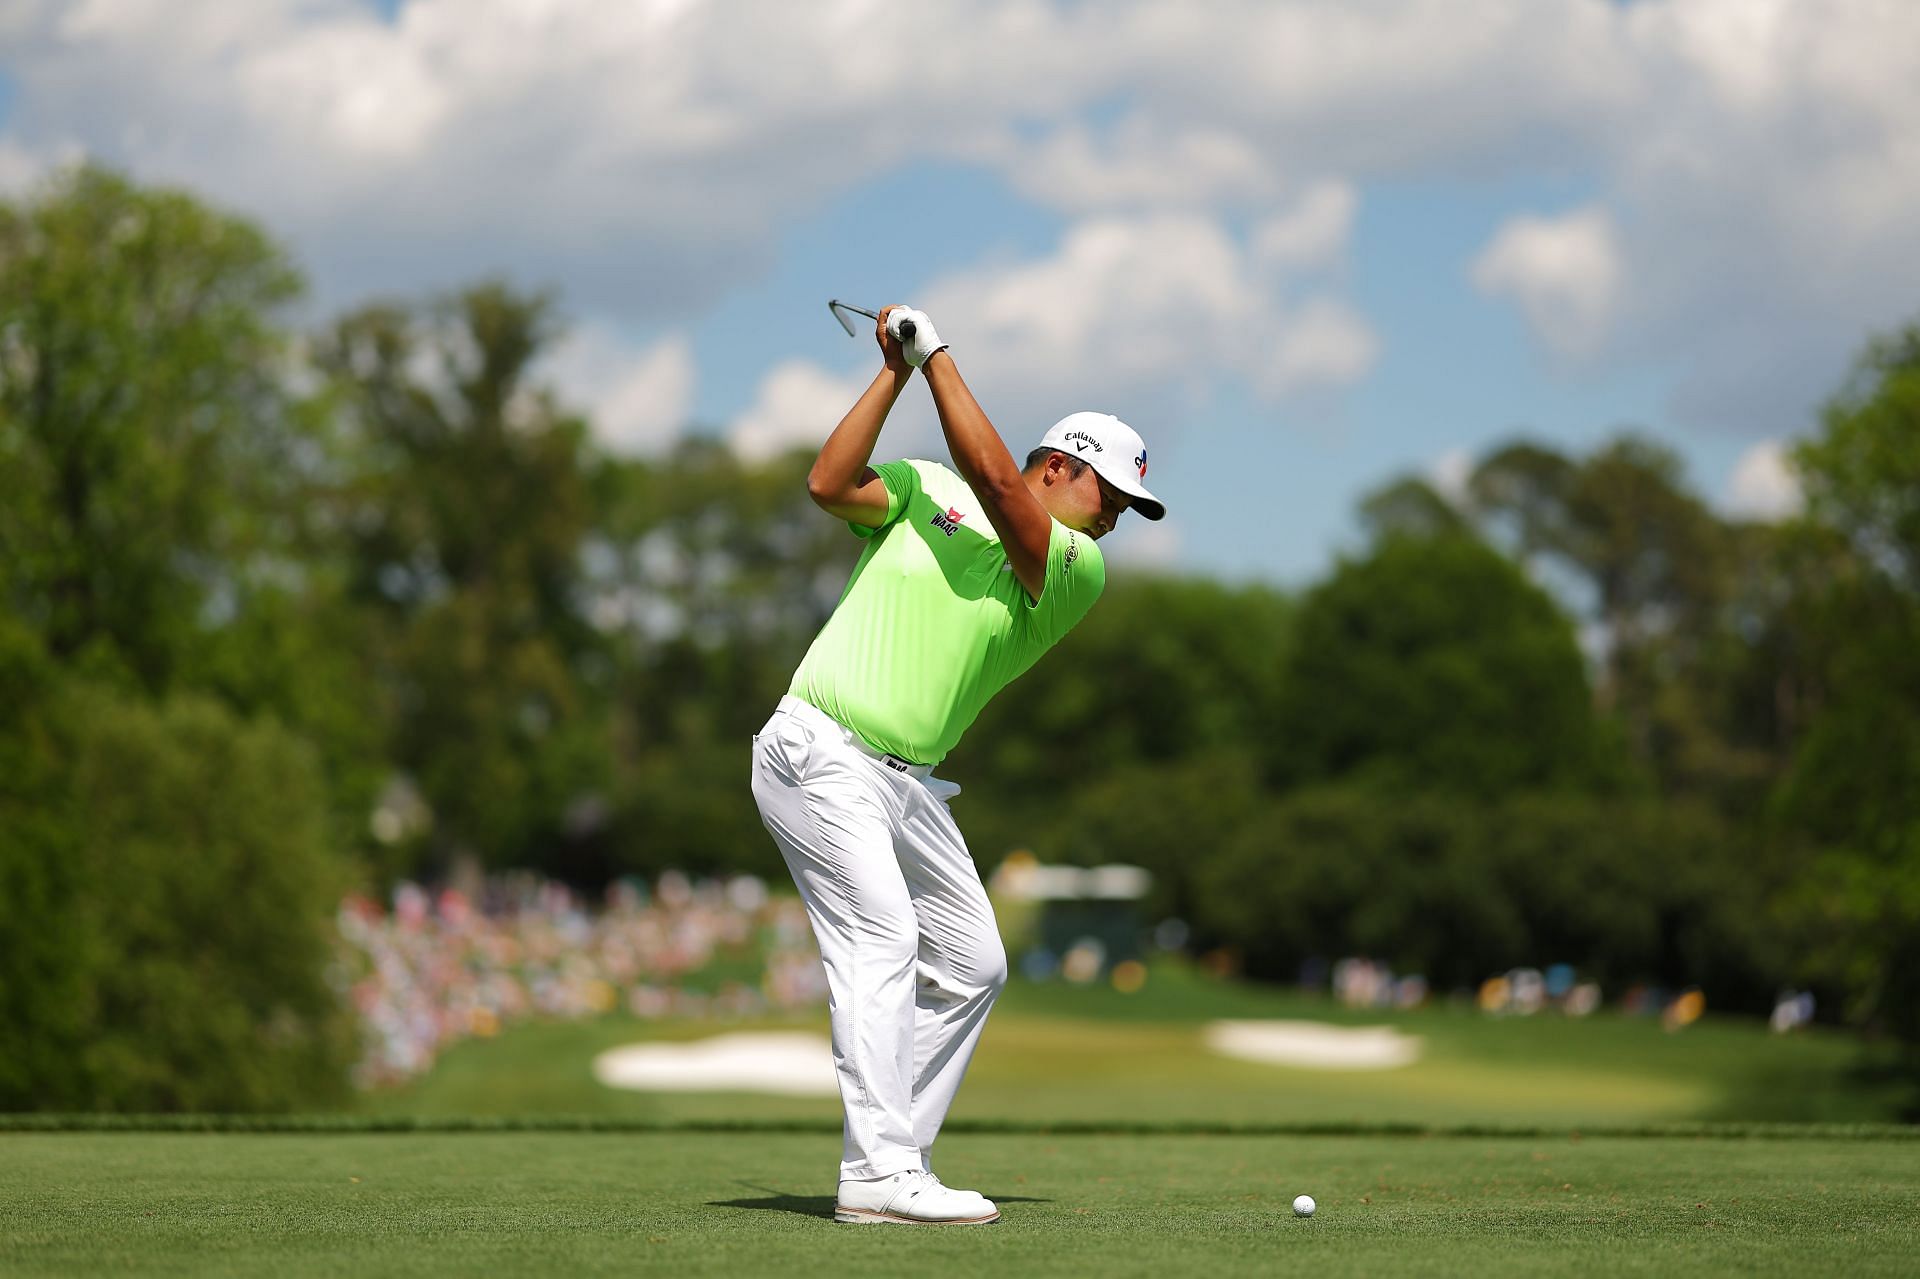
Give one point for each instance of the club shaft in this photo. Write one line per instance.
(906, 329)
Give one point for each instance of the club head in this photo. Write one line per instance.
(840, 311)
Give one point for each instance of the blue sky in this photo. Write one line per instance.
(1456, 369)
(1304, 248)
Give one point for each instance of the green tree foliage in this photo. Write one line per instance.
(1411, 507)
(1525, 492)
(144, 430)
(1433, 664)
(157, 464)
(1862, 472)
(465, 503)
(1854, 788)
(715, 573)
(167, 868)
(708, 576)
(176, 865)
(43, 987)
(1170, 817)
(1164, 673)
(1674, 596)
(1628, 890)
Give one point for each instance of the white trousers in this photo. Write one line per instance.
(913, 959)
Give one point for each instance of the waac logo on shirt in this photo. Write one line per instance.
(948, 523)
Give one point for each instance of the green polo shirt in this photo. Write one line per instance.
(934, 621)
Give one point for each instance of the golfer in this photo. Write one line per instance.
(964, 582)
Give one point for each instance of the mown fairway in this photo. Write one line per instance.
(526, 1190)
(756, 1204)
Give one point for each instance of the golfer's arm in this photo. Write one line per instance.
(990, 471)
(841, 483)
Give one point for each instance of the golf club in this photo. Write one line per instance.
(838, 307)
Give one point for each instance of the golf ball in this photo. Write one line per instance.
(1303, 1205)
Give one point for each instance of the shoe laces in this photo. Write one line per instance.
(934, 1178)
(916, 1182)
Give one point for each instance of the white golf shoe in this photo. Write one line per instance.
(912, 1199)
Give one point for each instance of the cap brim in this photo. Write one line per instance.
(1149, 508)
(1144, 502)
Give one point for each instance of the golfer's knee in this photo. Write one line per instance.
(987, 973)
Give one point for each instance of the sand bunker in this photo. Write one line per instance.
(793, 1063)
(1313, 1045)
(797, 1063)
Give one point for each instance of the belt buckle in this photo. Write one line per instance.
(897, 764)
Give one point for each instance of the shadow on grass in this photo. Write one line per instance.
(816, 1205)
(804, 1205)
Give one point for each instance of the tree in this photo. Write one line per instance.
(1524, 491)
(1163, 672)
(1659, 565)
(465, 507)
(1411, 507)
(1434, 664)
(145, 427)
(1458, 890)
(708, 574)
(1172, 817)
(1854, 788)
(43, 982)
(169, 885)
(1672, 593)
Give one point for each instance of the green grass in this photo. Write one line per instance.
(1115, 1143)
(423, 1204)
(1056, 1053)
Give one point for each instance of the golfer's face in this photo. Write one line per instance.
(1107, 504)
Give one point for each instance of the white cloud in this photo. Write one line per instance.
(20, 168)
(349, 90)
(1763, 485)
(1314, 233)
(1563, 272)
(798, 403)
(1129, 309)
(1763, 155)
(1140, 163)
(636, 400)
(1322, 343)
(1449, 474)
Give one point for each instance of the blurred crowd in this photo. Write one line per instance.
(432, 967)
(435, 967)
(1360, 982)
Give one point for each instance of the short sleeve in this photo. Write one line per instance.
(1076, 574)
(902, 482)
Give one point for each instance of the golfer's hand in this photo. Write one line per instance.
(891, 349)
(919, 348)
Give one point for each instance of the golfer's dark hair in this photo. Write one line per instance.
(1076, 466)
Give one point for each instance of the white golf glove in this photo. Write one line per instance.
(924, 342)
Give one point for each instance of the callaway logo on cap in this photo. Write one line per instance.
(1103, 441)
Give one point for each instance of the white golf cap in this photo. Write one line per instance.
(1112, 448)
